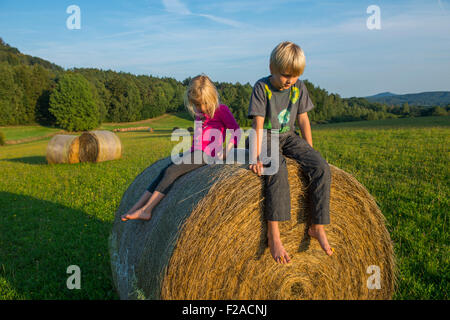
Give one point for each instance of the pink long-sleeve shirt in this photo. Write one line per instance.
(204, 135)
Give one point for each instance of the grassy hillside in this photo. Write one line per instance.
(54, 216)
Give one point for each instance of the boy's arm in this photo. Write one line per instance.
(258, 124)
(305, 127)
(257, 111)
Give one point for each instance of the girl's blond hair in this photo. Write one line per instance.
(201, 90)
(287, 57)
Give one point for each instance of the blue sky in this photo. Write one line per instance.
(231, 40)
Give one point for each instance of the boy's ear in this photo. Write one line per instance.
(271, 68)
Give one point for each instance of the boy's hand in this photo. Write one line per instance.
(257, 168)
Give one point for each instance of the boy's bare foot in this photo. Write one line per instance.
(278, 252)
(317, 231)
(140, 214)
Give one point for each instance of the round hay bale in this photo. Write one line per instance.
(207, 240)
(63, 148)
(97, 146)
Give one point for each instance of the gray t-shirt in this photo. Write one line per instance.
(279, 108)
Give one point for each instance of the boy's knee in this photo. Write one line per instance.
(318, 166)
(324, 168)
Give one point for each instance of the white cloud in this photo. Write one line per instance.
(176, 6)
(229, 22)
(408, 54)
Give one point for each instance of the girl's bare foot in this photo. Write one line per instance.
(317, 231)
(278, 252)
(140, 214)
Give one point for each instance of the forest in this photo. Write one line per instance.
(33, 90)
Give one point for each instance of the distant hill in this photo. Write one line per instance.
(383, 94)
(14, 57)
(435, 98)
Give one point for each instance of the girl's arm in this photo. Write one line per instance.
(305, 127)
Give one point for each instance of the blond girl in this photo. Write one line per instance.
(211, 119)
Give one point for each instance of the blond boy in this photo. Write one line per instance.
(276, 102)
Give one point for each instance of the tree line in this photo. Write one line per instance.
(33, 90)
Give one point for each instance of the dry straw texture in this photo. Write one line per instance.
(207, 240)
(63, 148)
(97, 146)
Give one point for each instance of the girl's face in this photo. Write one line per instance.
(200, 109)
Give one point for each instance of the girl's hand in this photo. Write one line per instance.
(219, 155)
(223, 153)
(257, 168)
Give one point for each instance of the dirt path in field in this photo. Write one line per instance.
(136, 122)
(33, 138)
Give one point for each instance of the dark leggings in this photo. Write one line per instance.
(173, 171)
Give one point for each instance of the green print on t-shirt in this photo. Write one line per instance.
(267, 123)
(268, 102)
(283, 118)
(294, 94)
(268, 92)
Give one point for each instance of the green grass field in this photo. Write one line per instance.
(23, 132)
(54, 216)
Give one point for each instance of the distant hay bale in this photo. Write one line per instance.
(131, 129)
(97, 146)
(207, 240)
(63, 148)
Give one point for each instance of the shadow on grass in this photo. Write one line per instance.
(168, 136)
(39, 240)
(29, 160)
(183, 115)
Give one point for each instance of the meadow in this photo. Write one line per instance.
(54, 216)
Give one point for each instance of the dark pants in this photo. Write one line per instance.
(277, 201)
(173, 171)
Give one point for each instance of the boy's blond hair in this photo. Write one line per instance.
(201, 90)
(287, 57)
